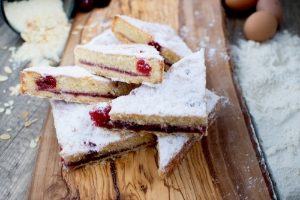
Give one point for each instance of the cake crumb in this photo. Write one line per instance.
(2, 110)
(3, 78)
(5, 136)
(30, 122)
(32, 143)
(8, 111)
(10, 102)
(14, 90)
(24, 116)
(8, 130)
(7, 70)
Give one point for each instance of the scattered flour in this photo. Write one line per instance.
(43, 26)
(269, 75)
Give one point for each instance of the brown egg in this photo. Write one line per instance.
(260, 26)
(240, 5)
(272, 6)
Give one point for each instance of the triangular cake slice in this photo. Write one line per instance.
(178, 104)
(162, 37)
(105, 38)
(130, 63)
(172, 148)
(70, 83)
(82, 142)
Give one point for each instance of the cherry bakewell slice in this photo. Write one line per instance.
(155, 45)
(100, 117)
(47, 82)
(143, 67)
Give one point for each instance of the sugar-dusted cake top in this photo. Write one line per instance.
(137, 50)
(71, 71)
(163, 34)
(169, 145)
(212, 99)
(105, 38)
(76, 132)
(182, 92)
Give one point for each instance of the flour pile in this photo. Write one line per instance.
(269, 75)
(44, 27)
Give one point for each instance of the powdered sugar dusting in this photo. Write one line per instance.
(163, 34)
(182, 92)
(137, 50)
(169, 145)
(72, 135)
(212, 99)
(105, 38)
(70, 71)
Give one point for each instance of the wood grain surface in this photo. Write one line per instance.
(224, 166)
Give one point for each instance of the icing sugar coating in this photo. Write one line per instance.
(105, 38)
(137, 50)
(182, 92)
(71, 71)
(169, 145)
(163, 34)
(74, 127)
(212, 99)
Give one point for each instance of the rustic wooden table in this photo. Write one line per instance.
(17, 155)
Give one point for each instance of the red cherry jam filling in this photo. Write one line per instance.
(100, 117)
(155, 45)
(143, 67)
(47, 82)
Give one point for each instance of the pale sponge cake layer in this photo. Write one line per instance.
(120, 62)
(72, 84)
(170, 45)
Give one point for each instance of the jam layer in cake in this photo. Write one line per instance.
(134, 63)
(160, 36)
(94, 156)
(72, 84)
(177, 104)
(101, 118)
(153, 127)
(82, 142)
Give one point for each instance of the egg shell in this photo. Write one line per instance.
(260, 26)
(240, 5)
(272, 6)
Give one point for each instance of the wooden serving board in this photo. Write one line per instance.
(225, 165)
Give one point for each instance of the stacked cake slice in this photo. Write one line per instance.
(70, 83)
(117, 98)
(135, 63)
(176, 105)
(162, 37)
(81, 142)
